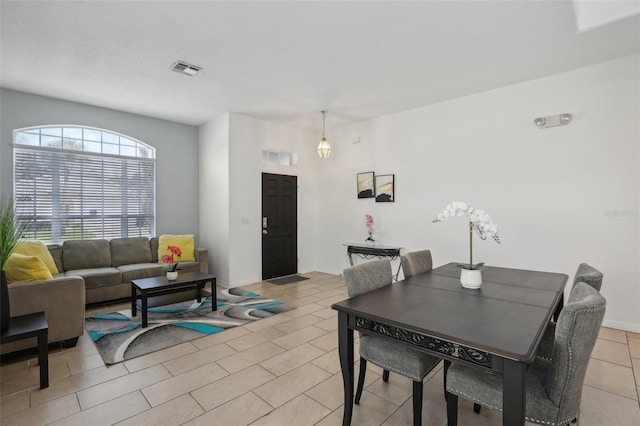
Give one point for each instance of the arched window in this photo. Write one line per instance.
(74, 182)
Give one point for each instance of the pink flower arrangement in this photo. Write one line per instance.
(369, 225)
(171, 258)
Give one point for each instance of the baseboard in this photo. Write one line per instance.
(621, 325)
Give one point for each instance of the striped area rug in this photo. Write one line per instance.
(119, 337)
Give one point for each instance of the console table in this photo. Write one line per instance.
(373, 250)
(27, 326)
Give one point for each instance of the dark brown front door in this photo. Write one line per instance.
(279, 225)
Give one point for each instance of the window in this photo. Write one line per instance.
(83, 183)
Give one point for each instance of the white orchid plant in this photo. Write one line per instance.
(479, 223)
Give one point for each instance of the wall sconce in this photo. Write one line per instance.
(553, 120)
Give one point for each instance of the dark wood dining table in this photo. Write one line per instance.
(496, 328)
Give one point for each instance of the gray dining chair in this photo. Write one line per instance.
(416, 262)
(588, 274)
(382, 352)
(554, 387)
(585, 274)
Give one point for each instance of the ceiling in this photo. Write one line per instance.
(285, 61)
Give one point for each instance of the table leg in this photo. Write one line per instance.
(514, 393)
(199, 291)
(345, 350)
(214, 296)
(144, 309)
(134, 308)
(43, 359)
(350, 258)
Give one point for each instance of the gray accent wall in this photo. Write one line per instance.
(176, 149)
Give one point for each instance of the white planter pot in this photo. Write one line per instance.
(471, 278)
(172, 276)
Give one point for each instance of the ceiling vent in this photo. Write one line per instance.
(185, 68)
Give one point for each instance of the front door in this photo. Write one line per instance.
(279, 225)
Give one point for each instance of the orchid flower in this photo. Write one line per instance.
(479, 223)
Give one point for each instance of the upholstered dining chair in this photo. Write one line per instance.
(416, 262)
(554, 387)
(384, 353)
(588, 274)
(585, 274)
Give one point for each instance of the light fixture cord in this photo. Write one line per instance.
(323, 116)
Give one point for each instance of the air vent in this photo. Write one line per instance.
(185, 68)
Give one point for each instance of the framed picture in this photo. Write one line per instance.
(385, 190)
(366, 185)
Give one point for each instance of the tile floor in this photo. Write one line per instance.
(283, 370)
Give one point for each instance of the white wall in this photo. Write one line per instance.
(560, 196)
(234, 199)
(176, 149)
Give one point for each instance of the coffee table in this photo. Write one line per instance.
(158, 291)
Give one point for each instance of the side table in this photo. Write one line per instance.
(25, 327)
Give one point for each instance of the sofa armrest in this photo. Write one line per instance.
(202, 256)
(61, 298)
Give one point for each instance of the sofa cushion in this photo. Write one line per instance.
(85, 254)
(97, 277)
(184, 242)
(21, 268)
(127, 251)
(187, 266)
(140, 270)
(154, 249)
(56, 254)
(38, 249)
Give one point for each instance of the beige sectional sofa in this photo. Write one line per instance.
(91, 271)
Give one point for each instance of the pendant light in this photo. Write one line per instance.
(324, 149)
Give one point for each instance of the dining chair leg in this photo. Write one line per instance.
(417, 403)
(385, 375)
(445, 368)
(452, 409)
(363, 370)
(476, 408)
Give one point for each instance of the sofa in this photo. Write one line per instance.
(90, 271)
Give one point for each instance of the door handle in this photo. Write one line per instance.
(264, 232)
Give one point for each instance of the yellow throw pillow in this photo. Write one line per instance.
(21, 268)
(38, 249)
(184, 242)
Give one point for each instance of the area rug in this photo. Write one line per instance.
(119, 337)
(288, 279)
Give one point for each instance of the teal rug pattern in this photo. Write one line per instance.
(119, 337)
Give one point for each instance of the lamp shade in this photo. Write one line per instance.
(324, 149)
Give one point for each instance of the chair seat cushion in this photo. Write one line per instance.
(486, 390)
(396, 358)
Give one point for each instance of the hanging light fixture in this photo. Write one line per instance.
(324, 149)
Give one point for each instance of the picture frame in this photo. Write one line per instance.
(366, 185)
(385, 188)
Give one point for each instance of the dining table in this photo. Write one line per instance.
(496, 328)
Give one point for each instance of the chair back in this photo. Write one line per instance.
(367, 276)
(416, 262)
(576, 333)
(588, 274)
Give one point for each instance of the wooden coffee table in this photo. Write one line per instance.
(158, 291)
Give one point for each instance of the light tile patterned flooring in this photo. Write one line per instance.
(283, 370)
